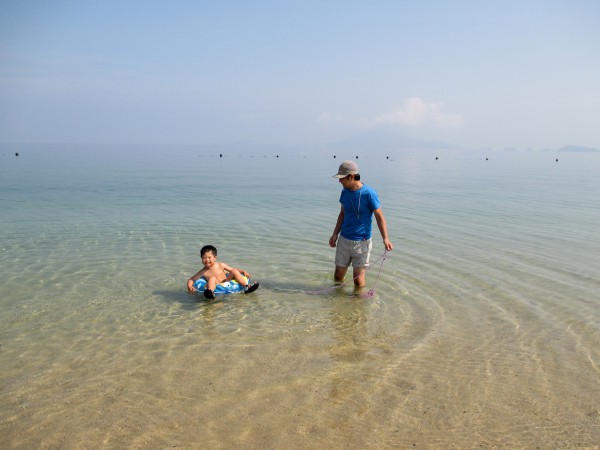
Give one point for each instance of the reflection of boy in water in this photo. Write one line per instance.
(352, 232)
(216, 272)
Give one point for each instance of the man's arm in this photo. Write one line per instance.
(337, 229)
(382, 225)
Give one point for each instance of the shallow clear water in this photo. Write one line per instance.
(483, 329)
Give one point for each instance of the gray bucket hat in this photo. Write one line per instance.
(347, 168)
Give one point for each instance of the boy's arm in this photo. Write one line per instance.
(382, 225)
(190, 283)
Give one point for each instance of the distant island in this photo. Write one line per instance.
(578, 149)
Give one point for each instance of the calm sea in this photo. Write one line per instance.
(483, 330)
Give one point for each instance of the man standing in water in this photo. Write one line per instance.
(352, 232)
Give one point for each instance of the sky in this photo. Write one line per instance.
(521, 74)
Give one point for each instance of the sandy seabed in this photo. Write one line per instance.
(335, 372)
(484, 330)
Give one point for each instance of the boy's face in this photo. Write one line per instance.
(208, 259)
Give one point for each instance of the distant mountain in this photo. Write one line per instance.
(578, 148)
(386, 140)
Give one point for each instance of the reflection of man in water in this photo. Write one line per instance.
(349, 321)
(352, 232)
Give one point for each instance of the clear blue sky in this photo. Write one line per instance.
(511, 73)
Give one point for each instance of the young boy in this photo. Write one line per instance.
(216, 272)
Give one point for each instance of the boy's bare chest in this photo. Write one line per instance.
(216, 271)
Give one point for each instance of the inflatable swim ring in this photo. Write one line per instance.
(227, 287)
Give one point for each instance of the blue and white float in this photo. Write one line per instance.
(226, 287)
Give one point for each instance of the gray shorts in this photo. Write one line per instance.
(349, 252)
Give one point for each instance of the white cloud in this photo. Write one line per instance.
(413, 113)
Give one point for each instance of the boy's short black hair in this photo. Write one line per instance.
(208, 248)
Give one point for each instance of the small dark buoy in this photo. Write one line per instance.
(220, 155)
(486, 159)
(436, 158)
(356, 156)
(387, 157)
(334, 156)
(16, 154)
(556, 159)
(278, 156)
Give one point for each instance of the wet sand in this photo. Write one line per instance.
(318, 371)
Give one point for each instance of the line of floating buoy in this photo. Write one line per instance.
(220, 155)
(334, 157)
(437, 158)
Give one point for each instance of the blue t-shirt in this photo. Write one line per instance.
(358, 212)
